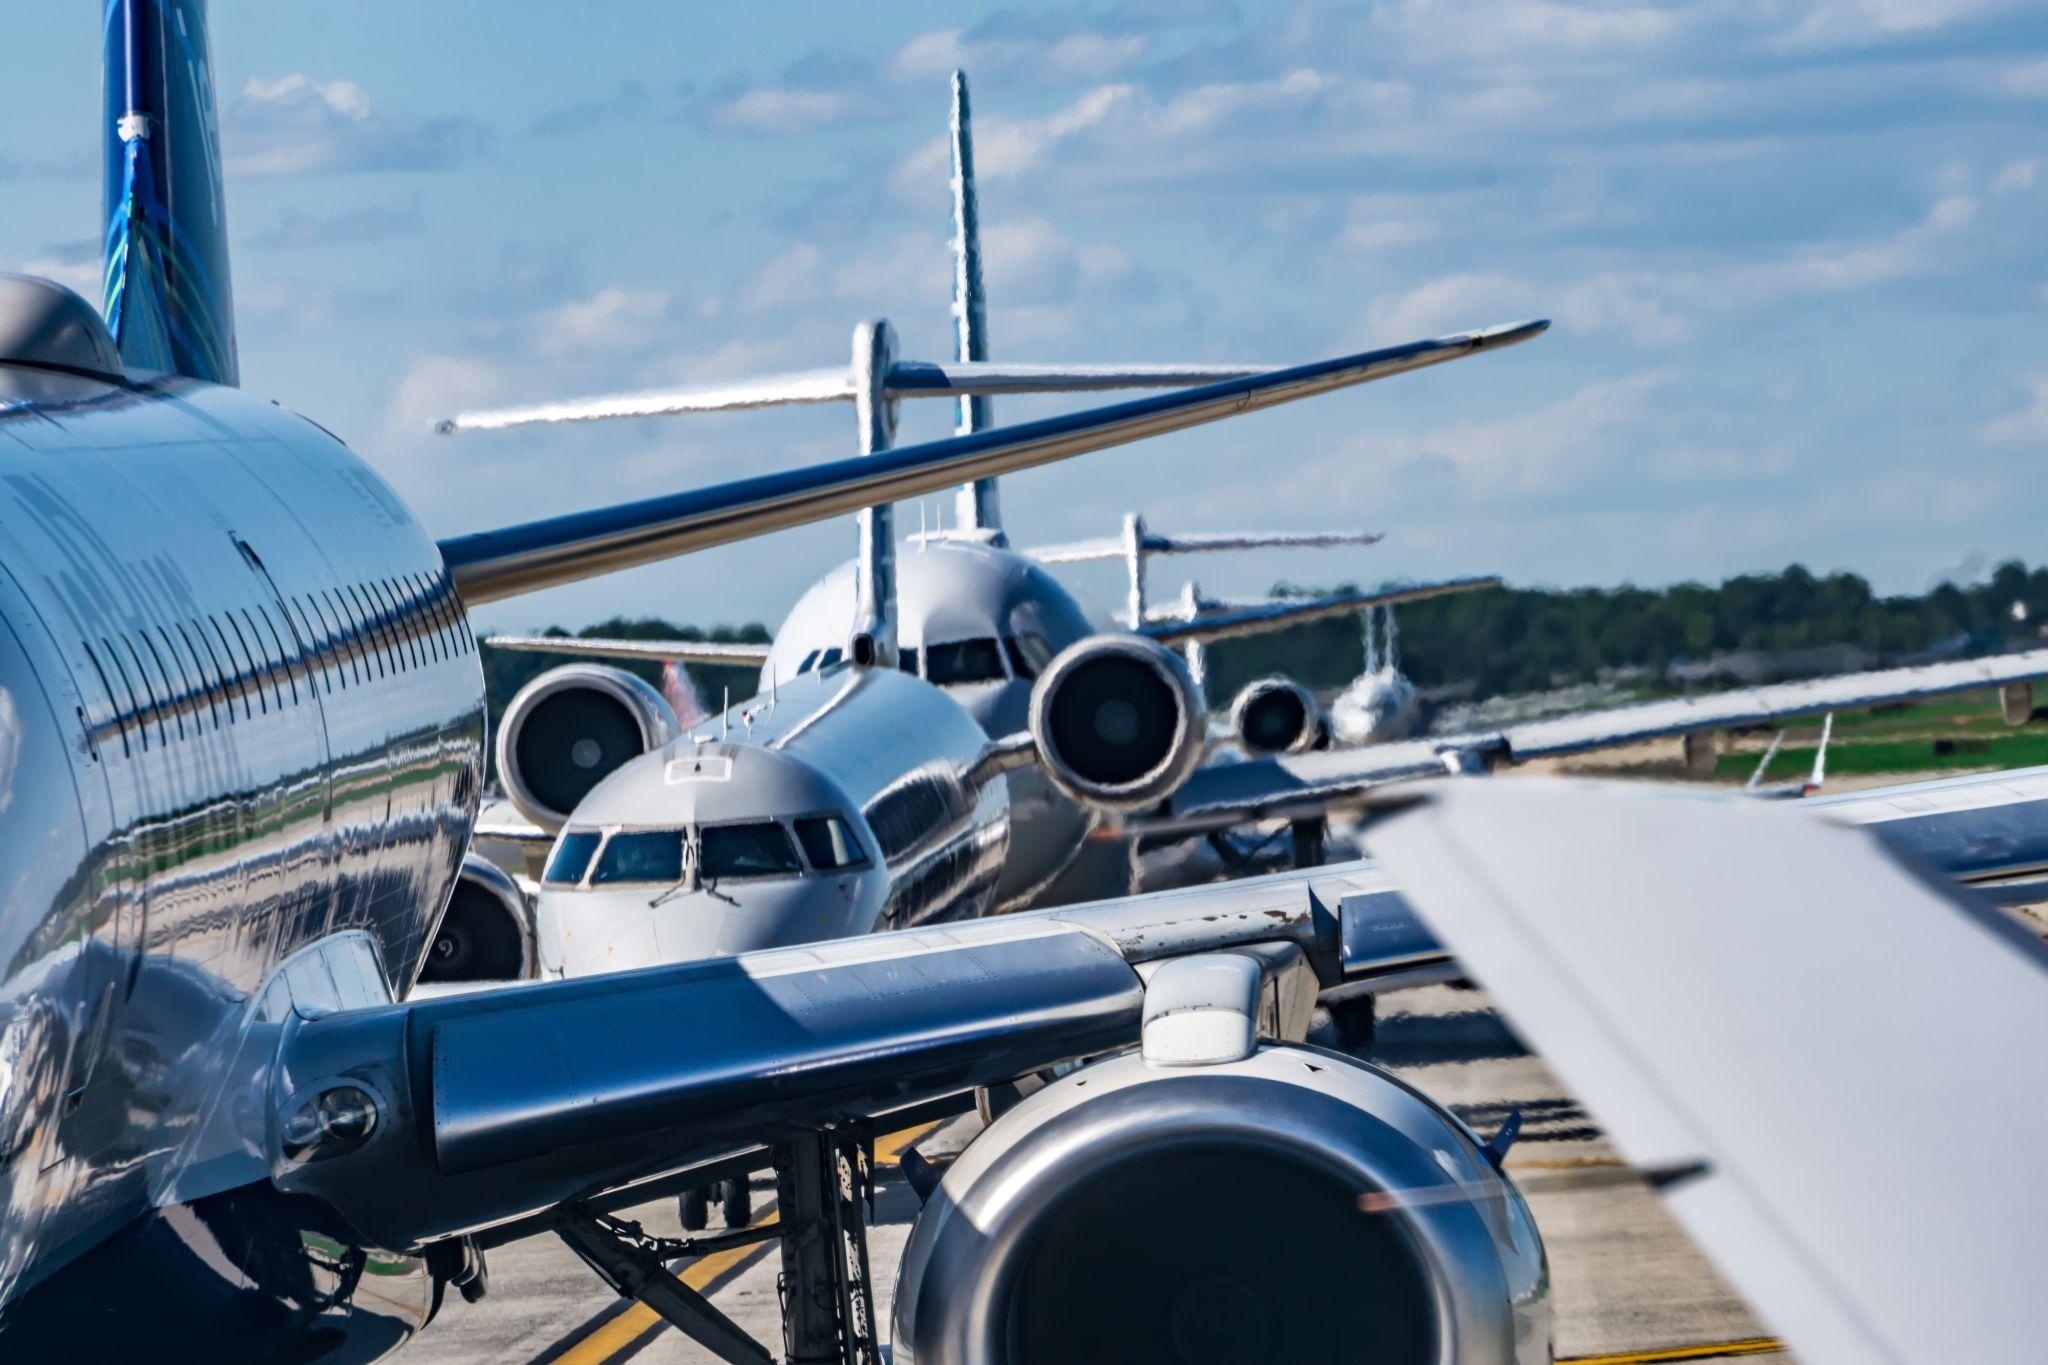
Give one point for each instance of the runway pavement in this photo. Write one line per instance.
(1628, 1288)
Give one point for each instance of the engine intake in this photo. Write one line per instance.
(1137, 1212)
(486, 933)
(1276, 715)
(1117, 721)
(569, 729)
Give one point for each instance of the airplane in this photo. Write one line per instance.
(972, 617)
(242, 752)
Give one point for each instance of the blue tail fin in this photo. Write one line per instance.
(167, 298)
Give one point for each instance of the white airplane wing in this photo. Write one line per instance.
(501, 563)
(1298, 785)
(1153, 543)
(1848, 1049)
(689, 651)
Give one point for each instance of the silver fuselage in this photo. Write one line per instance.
(960, 594)
(877, 749)
(241, 718)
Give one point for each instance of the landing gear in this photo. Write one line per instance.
(694, 1207)
(825, 1187)
(1308, 841)
(1355, 1021)
(736, 1202)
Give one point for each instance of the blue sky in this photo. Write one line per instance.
(1797, 253)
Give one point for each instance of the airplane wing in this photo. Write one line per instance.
(689, 651)
(1210, 627)
(495, 1105)
(494, 564)
(1844, 1048)
(1300, 785)
(1114, 547)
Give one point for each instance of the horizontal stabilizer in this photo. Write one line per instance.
(543, 554)
(686, 651)
(1282, 612)
(1114, 547)
(905, 379)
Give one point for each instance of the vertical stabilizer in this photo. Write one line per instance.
(167, 296)
(978, 507)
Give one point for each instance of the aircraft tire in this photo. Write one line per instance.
(736, 1202)
(695, 1208)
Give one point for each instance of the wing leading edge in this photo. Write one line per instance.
(493, 564)
(496, 1105)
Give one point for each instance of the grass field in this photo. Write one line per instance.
(1952, 734)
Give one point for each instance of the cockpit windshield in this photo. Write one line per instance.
(571, 858)
(641, 855)
(756, 849)
(964, 661)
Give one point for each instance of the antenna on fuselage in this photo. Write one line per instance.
(977, 505)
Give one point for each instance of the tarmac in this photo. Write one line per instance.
(1628, 1286)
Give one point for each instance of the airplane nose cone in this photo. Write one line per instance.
(758, 915)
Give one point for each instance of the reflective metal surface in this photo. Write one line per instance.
(240, 715)
(1145, 1165)
(494, 564)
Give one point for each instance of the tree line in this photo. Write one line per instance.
(1506, 640)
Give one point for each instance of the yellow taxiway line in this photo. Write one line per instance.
(1705, 1350)
(615, 1335)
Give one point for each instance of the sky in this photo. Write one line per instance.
(1796, 253)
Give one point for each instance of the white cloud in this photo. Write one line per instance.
(1070, 57)
(609, 320)
(1545, 449)
(80, 275)
(2028, 426)
(771, 111)
(1836, 267)
(2017, 175)
(2028, 79)
(295, 124)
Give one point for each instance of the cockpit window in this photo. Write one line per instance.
(571, 857)
(830, 657)
(1029, 653)
(756, 849)
(906, 659)
(641, 855)
(810, 662)
(829, 844)
(964, 661)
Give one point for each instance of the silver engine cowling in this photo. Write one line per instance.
(486, 932)
(1276, 715)
(571, 728)
(1136, 1211)
(1117, 722)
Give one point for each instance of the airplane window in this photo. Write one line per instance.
(829, 844)
(830, 657)
(810, 662)
(571, 857)
(1028, 653)
(756, 849)
(964, 661)
(641, 855)
(906, 659)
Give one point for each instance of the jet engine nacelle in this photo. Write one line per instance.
(486, 933)
(1117, 721)
(571, 728)
(1276, 715)
(1134, 1211)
